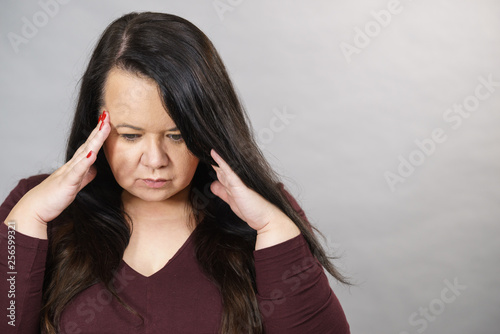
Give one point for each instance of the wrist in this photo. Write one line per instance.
(25, 223)
(279, 228)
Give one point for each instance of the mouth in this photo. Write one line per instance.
(155, 183)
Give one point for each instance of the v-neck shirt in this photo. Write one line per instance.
(293, 292)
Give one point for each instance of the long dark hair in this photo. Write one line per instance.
(88, 239)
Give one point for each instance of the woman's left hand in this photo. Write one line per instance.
(271, 224)
(247, 204)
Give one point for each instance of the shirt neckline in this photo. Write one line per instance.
(162, 269)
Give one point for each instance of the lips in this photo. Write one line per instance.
(155, 183)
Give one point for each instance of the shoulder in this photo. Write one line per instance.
(23, 186)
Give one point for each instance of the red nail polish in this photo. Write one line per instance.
(103, 115)
(88, 155)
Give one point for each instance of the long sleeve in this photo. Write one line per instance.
(293, 291)
(22, 267)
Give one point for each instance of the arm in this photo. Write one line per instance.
(35, 202)
(293, 291)
(22, 267)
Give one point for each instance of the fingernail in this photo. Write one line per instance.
(102, 118)
(88, 155)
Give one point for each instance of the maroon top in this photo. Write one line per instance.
(293, 291)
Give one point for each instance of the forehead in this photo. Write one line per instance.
(134, 100)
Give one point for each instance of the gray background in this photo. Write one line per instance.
(351, 121)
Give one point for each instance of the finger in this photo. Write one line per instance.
(220, 175)
(82, 149)
(230, 177)
(100, 132)
(94, 142)
(219, 190)
(222, 192)
(103, 119)
(82, 166)
(222, 164)
(221, 179)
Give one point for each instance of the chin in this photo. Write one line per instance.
(154, 197)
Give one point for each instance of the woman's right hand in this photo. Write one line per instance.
(48, 200)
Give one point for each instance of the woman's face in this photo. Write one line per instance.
(144, 144)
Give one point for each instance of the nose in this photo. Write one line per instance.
(154, 154)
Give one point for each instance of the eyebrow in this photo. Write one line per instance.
(140, 129)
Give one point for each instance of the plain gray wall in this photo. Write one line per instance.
(360, 87)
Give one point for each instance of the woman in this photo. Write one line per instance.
(166, 218)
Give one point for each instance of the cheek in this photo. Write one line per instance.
(120, 159)
(193, 164)
(190, 162)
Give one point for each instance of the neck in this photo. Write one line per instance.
(174, 213)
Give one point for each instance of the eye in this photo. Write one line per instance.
(176, 137)
(129, 137)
